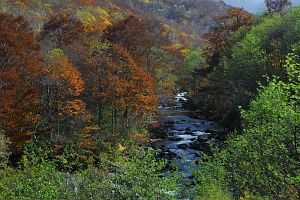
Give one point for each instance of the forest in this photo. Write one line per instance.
(88, 105)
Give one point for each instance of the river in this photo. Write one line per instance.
(187, 136)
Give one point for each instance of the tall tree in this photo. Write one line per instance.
(64, 112)
(148, 42)
(140, 37)
(227, 24)
(61, 30)
(20, 68)
(126, 86)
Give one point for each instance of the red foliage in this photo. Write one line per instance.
(20, 63)
(227, 25)
(63, 29)
(139, 36)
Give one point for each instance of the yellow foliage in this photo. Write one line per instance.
(248, 196)
(121, 148)
(105, 21)
(85, 16)
(101, 11)
(173, 47)
(140, 138)
(117, 16)
(75, 107)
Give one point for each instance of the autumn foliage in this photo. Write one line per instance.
(79, 78)
(227, 24)
(86, 2)
(20, 69)
(62, 29)
(139, 36)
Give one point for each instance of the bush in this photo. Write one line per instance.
(263, 160)
(139, 177)
(118, 177)
(210, 180)
(4, 150)
(40, 181)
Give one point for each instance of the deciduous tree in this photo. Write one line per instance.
(227, 24)
(140, 37)
(20, 69)
(64, 113)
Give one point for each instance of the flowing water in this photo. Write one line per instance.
(187, 137)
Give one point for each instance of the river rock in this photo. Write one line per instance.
(188, 133)
(199, 146)
(170, 155)
(183, 146)
(202, 139)
(188, 129)
(175, 138)
(207, 131)
(218, 134)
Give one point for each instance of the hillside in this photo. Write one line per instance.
(194, 17)
(189, 19)
(149, 99)
(89, 12)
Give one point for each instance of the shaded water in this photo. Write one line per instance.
(185, 139)
(187, 136)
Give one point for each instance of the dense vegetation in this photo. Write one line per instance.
(239, 57)
(258, 70)
(262, 160)
(191, 17)
(81, 80)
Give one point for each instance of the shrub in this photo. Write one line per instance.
(263, 160)
(4, 150)
(118, 177)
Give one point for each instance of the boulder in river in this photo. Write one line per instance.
(188, 133)
(199, 146)
(218, 134)
(175, 138)
(170, 155)
(202, 139)
(183, 146)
